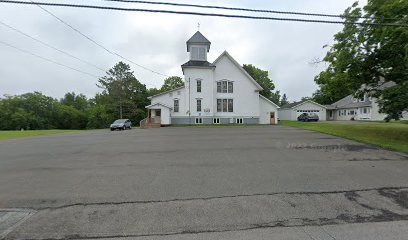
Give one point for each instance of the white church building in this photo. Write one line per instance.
(221, 92)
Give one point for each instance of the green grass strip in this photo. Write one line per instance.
(30, 133)
(393, 135)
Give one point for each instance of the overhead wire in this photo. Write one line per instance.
(46, 59)
(50, 46)
(94, 41)
(245, 9)
(202, 14)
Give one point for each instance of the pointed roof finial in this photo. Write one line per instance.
(198, 26)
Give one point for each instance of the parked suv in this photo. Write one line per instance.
(308, 117)
(121, 124)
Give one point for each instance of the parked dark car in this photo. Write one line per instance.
(121, 124)
(308, 117)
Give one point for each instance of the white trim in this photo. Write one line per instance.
(172, 90)
(268, 100)
(310, 102)
(164, 105)
(239, 67)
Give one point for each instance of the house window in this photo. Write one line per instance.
(364, 110)
(176, 105)
(198, 53)
(198, 120)
(219, 105)
(216, 120)
(230, 87)
(230, 105)
(178, 92)
(198, 105)
(362, 99)
(225, 86)
(225, 105)
(198, 85)
(171, 94)
(240, 120)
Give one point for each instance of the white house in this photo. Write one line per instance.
(366, 108)
(213, 93)
(347, 108)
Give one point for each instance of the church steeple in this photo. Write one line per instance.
(198, 46)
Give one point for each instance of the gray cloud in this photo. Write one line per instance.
(157, 41)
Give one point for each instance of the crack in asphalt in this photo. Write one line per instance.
(399, 195)
(305, 222)
(384, 190)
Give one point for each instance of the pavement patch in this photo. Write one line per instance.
(11, 219)
(221, 214)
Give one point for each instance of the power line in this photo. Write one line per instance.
(246, 9)
(205, 14)
(90, 39)
(46, 59)
(50, 46)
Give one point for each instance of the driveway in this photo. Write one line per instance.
(194, 182)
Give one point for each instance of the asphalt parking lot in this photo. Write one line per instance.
(202, 183)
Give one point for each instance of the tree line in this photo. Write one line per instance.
(122, 96)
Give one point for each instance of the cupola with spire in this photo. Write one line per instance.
(198, 46)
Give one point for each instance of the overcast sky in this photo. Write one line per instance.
(157, 41)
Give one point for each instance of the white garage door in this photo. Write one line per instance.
(318, 112)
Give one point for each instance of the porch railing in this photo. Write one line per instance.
(144, 122)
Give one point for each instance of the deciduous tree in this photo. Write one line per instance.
(364, 57)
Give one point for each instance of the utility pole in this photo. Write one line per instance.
(189, 112)
(120, 88)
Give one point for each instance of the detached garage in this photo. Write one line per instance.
(293, 110)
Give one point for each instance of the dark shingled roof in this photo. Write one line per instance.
(192, 63)
(290, 105)
(198, 38)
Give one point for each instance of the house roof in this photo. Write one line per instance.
(225, 53)
(296, 104)
(290, 105)
(268, 100)
(161, 104)
(199, 39)
(349, 101)
(193, 63)
(172, 90)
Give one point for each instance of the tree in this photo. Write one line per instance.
(364, 57)
(172, 82)
(153, 91)
(123, 95)
(305, 99)
(79, 102)
(284, 100)
(262, 78)
(68, 117)
(99, 117)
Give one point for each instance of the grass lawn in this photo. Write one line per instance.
(30, 133)
(393, 136)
